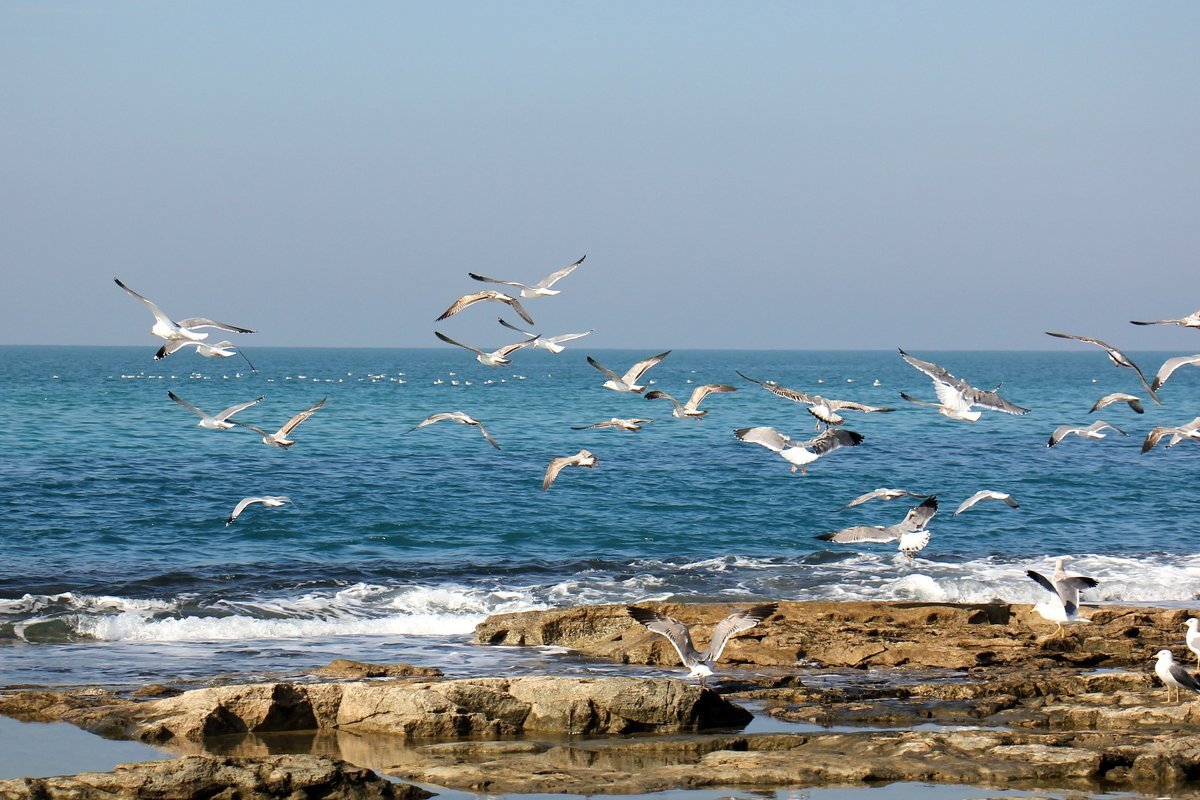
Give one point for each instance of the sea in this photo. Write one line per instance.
(117, 566)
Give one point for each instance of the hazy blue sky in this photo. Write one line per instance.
(789, 175)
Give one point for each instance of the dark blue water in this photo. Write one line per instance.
(114, 502)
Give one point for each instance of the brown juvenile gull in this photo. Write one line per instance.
(690, 408)
(800, 453)
(910, 533)
(219, 421)
(459, 417)
(986, 494)
(629, 381)
(1189, 430)
(496, 358)
(279, 438)
(1170, 365)
(1119, 397)
(956, 396)
(270, 501)
(583, 458)
(1114, 355)
(823, 408)
(1089, 432)
(471, 299)
(699, 663)
(539, 289)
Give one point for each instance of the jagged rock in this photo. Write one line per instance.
(358, 670)
(210, 778)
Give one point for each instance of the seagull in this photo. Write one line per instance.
(628, 381)
(1173, 675)
(956, 396)
(633, 424)
(217, 422)
(550, 343)
(456, 416)
(539, 289)
(1063, 607)
(986, 494)
(471, 299)
(1190, 321)
(797, 453)
(496, 358)
(699, 663)
(882, 494)
(823, 408)
(1069, 585)
(279, 438)
(1090, 432)
(583, 458)
(690, 408)
(911, 532)
(1192, 638)
(270, 501)
(1169, 366)
(185, 329)
(1114, 355)
(1119, 397)
(223, 349)
(1189, 430)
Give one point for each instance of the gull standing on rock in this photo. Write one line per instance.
(1173, 675)
(1067, 585)
(496, 358)
(629, 381)
(550, 343)
(986, 494)
(1089, 432)
(1119, 397)
(882, 494)
(1192, 638)
(459, 417)
(699, 663)
(539, 289)
(185, 329)
(468, 300)
(279, 438)
(956, 396)
(270, 501)
(1062, 608)
(690, 408)
(823, 408)
(217, 422)
(797, 453)
(911, 533)
(1114, 355)
(583, 458)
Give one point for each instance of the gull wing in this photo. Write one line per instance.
(240, 407)
(303, 415)
(512, 327)
(735, 623)
(1061, 432)
(822, 413)
(173, 346)
(1100, 425)
(557, 465)
(849, 405)
(861, 533)
(938, 374)
(831, 439)
(1183, 677)
(555, 277)
(203, 322)
(466, 301)
(155, 310)
(1115, 355)
(766, 436)
(951, 397)
(242, 506)
(913, 541)
(503, 352)
(1047, 584)
(566, 337)
(1119, 397)
(516, 306)
(1156, 436)
(701, 392)
(1086, 339)
(781, 391)
(514, 284)
(918, 517)
(639, 369)
(448, 340)
(676, 632)
(188, 405)
(986, 494)
(881, 494)
(993, 401)
(919, 402)
(487, 435)
(1170, 365)
(657, 393)
(611, 375)
(432, 418)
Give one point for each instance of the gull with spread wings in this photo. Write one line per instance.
(800, 453)
(882, 494)
(583, 458)
(270, 501)
(629, 381)
(1189, 430)
(468, 300)
(911, 533)
(185, 330)
(1062, 607)
(1169, 366)
(551, 343)
(986, 494)
(1119, 397)
(280, 437)
(496, 358)
(617, 423)
(1089, 432)
(823, 408)
(219, 421)
(700, 662)
(459, 417)
(539, 289)
(690, 410)
(1114, 355)
(956, 397)
(1190, 321)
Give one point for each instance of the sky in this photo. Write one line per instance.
(794, 175)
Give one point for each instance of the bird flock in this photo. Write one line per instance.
(957, 399)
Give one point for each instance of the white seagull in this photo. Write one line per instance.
(911, 533)
(1119, 397)
(690, 408)
(1190, 321)
(956, 396)
(185, 329)
(551, 343)
(629, 381)
(471, 299)
(270, 501)
(800, 453)
(1173, 675)
(986, 494)
(1089, 432)
(222, 349)
(456, 416)
(279, 438)
(496, 358)
(583, 458)
(1189, 430)
(882, 494)
(1066, 584)
(216, 422)
(699, 663)
(823, 408)
(1192, 638)
(1114, 355)
(1169, 366)
(1062, 608)
(539, 289)
(618, 423)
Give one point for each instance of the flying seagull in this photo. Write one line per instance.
(279, 438)
(216, 422)
(911, 533)
(628, 381)
(633, 424)
(882, 494)
(690, 408)
(539, 289)
(800, 453)
(185, 329)
(1114, 355)
(456, 416)
(270, 501)
(222, 349)
(699, 663)
(1119, 397)
(956, 396)
(1192, 638)
(986, 494)
(583, 458)
(1173, 675)
(1062, 608)
(489, 294)
(496, 358)
(1189, 430)
(1190, 321)
(1089, 432)
(823, 408)
(551, 343)
(1169, 366)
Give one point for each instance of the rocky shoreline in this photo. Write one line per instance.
(852, 693)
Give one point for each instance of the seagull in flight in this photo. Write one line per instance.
(1114, 355)
(797, 453)
(456, 416)
(1062, 607)
(1190, 321)
(699, 663)
(280, 437)
(185, 329)
(690, 410)
(223, 349)
(823, 408)
(539, 289)
(1189, 430)
(986, 494)
(955, 396)
(629, 381)
(551, 343)
(471, 299)
(496, 358)
(1119, 397)
(216, 422)
(270, 501)
(911, 533)
(1169, 366)
(1090, 432)
(882, 494)
(583, 458)
(1173, 675)
(633, 424)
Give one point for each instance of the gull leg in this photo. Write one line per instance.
(804, 470)
(794, 469)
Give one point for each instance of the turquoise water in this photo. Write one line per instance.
(114, 502)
